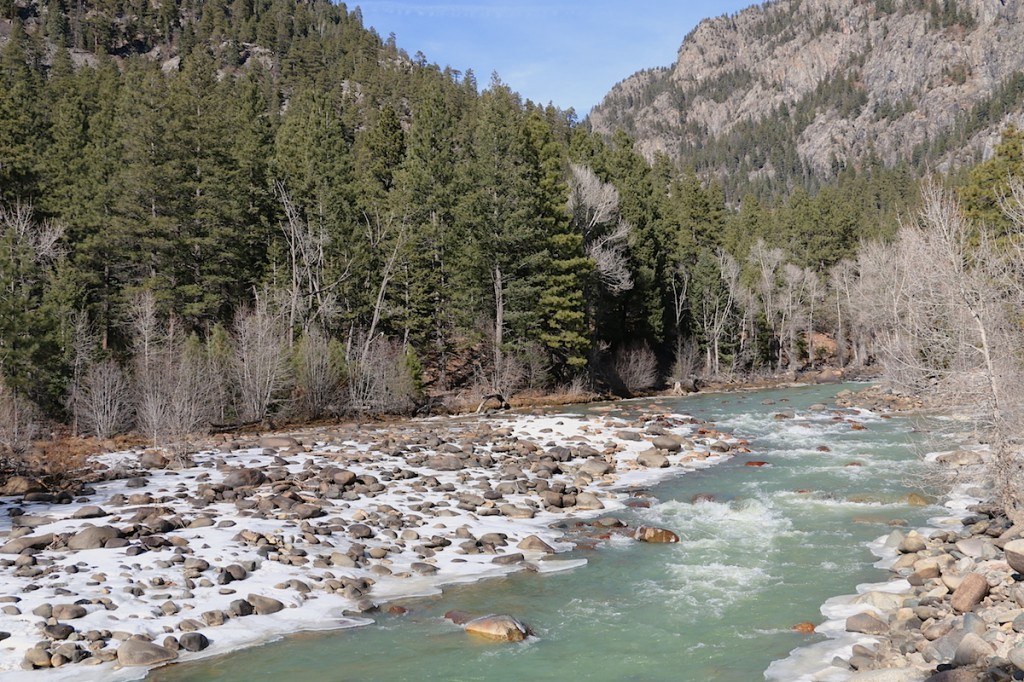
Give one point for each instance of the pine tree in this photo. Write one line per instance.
(566, 267)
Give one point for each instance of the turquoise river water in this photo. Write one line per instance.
(776, 543)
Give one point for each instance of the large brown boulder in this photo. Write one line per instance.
(654, 535)
(498, 628)
(972, 589)
(867, 624)
(21, 485)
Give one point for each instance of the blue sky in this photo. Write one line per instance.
(569, 52)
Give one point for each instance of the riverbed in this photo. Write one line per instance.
(762, 547)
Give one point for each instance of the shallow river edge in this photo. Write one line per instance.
(261, 538)
(951, 611)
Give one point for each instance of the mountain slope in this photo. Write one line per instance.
(795, 90)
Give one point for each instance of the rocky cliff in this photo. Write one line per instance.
(803, 88)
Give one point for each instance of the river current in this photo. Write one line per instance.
(762, 548)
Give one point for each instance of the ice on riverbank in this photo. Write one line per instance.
(425, 504)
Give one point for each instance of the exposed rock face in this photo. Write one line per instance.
(874, 80)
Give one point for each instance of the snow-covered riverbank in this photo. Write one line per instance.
(263, 538)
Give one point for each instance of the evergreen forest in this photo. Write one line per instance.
(218, 212)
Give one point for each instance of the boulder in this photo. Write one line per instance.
(264, 605)
(89, 512)
(972, 589)
(652, 459)
(497, 628)
(971, 650)
(596, 467)
(914, 542)
(514, 512)
(586, 501)
(141, 652)
(960, 458)
(1014, 552)
(21, 485)
(654, 535)
(866, 624)
(458, 617)
(19, 545)
(152, 460)
(94, 537)
(194, 641)
(278, 442)
(1016, 656)
(444, 463)
(532, 543)
(244, 478)
(68, 611)
(669, 443)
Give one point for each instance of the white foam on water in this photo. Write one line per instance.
(318, 610)
(813, 662)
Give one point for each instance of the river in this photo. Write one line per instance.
(773, 544)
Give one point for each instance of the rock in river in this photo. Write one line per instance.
(498, 628)
(654, 535)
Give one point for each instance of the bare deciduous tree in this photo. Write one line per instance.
(379, 380)
(954, 329)
(767, 263)
(594, 206)
(173, 396)
(636, 368)
(19, 424)
(311, 298)
(261, 369)
(103, 400)
(319, 372)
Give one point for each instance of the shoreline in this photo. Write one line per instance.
(920, 587)
(415, 506)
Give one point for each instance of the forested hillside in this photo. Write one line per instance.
(790, 93)
(215, 213)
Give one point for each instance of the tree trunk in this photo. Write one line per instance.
(499, 326)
